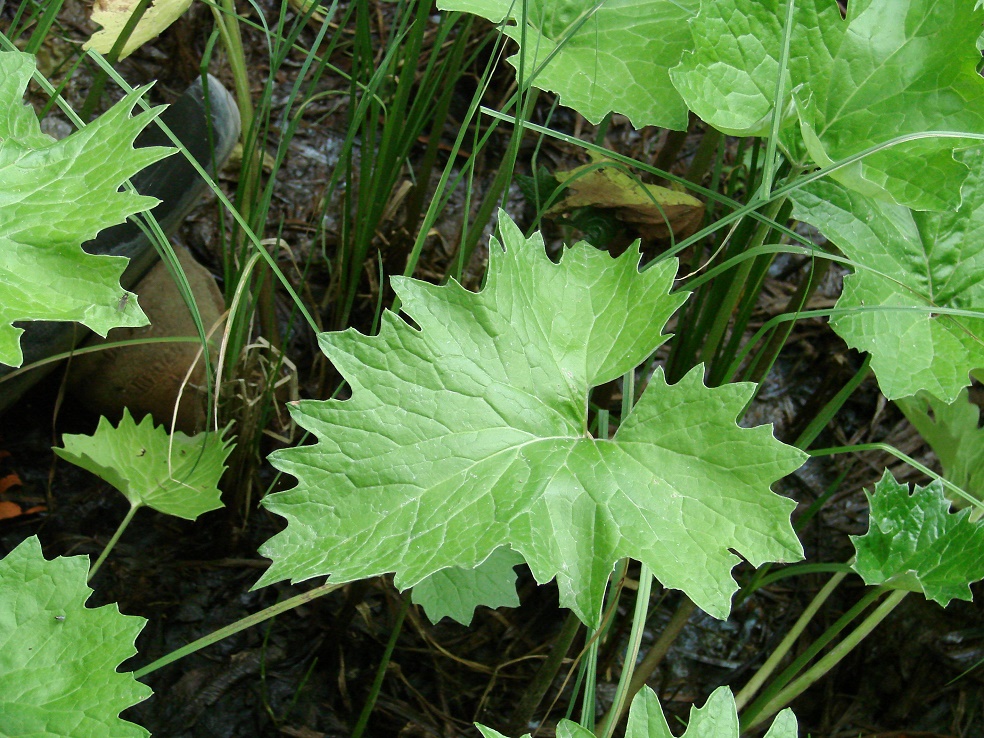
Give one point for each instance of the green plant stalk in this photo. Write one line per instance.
(703, 303)
(124, 524)
(377, 682)
(798, 570)
(816, 426)
(55, 358)
(772, 663)
(238, 626)
(404, 117)
(545, 675)
(503, 177)
(705, 155)
(667, 155)
(439, 200)
(724, 310)
(590, 667)
(606, 727)
(415, 203)
(759, 271)
(226, 20)
(746, 307)
(769, 169)
(829, 661)
(798, 664)
(902, 457)
(238, 336)
(40, 32)
(763, 363)
(715, 184)
(99, 81)
(657, 652)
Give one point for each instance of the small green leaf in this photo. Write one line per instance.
(891, 68)
(718, 718)
(54, 195)
(59, 658)
(616, 60)
(470, 433)
(176, 475)
(952, 432)
(914, 543)
(910, 264)
(490, 733)
(456, 592)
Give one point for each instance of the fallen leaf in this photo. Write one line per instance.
(9, 480)
(654, 211)
(113, 15)
(10, 510)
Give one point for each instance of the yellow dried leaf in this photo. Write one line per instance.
(112, 15)
(655, 211)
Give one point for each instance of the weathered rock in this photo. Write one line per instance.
(147, 378)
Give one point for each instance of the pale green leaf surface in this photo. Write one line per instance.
(570, 729)
(908, 259)
(952, 432)
(456, 592)
(55, 195)
(891, 68)
(177, 475)
(618, 60)
(470, 434)
(490, 733)
(718, 718)
(915, 543)
(58, 658)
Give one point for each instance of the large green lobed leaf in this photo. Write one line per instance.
(910, 263)
(55, 195)
(617, 60)
(469, 433)
(58, 658)
(891, 68)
